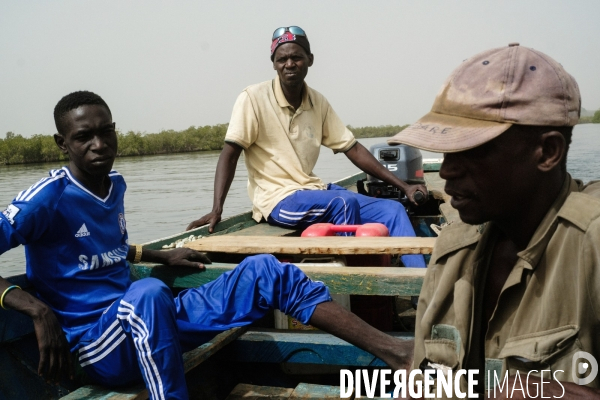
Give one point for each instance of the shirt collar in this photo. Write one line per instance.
(282, 101)
(539, 241)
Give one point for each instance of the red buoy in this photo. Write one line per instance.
(378, 311)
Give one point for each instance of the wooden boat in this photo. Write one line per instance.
(257, 359)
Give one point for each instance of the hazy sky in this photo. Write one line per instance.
(174, 64)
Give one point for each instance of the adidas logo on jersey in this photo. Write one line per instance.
(82, 232)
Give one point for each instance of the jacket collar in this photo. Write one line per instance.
(455, 237)
(460, 235)
(539, 241)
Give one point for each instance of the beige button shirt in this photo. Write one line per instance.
(281, 145)
(549, 307)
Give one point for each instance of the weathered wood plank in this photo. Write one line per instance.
(308, 391)
(264, 229)
(315, 245)
(376, 280)
(227, 225)
(252, 392)
(304, 347)
(96, 392)
(193, 358)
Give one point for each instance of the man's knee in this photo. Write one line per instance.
(352, 202)
(266, 265)
(259, 264)
(395, 207)
(346, 201)
(151, 289)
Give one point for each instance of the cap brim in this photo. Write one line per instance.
(448, 134)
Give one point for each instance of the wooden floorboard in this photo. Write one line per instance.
(308, 391)
(305, 347)
(253, 392)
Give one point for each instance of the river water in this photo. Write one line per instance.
(165, 193)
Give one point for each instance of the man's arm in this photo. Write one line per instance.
(55, 357)
(181, 257)
(223, 177)
(364, 160)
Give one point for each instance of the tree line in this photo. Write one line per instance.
(595, 119)
(16, 149)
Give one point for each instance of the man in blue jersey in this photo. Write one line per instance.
(73, 227)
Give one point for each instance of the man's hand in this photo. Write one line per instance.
(184, 257)
(55, 357)
(212, 219)
(363, 159)
(410, 191)
(181, 257)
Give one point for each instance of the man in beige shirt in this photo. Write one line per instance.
(281, 125)
(513, 289)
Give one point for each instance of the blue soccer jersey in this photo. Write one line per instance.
(75, 245)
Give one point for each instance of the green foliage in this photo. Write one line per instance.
(590, 119)
(15, 149)
(165, 142)
(376, 131)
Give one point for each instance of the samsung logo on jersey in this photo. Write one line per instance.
(103, 259)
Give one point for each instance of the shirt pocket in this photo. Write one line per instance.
(551, 350)
(443, 352)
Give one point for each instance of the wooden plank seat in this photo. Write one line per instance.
(304, 391)
(314, 245)
(191, 359)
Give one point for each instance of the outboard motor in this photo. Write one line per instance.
(401, 160)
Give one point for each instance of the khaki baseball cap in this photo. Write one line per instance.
(489, 93)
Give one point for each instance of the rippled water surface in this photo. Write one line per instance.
(165, 193)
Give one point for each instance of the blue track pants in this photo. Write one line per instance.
(343, 207)
(134, 338)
